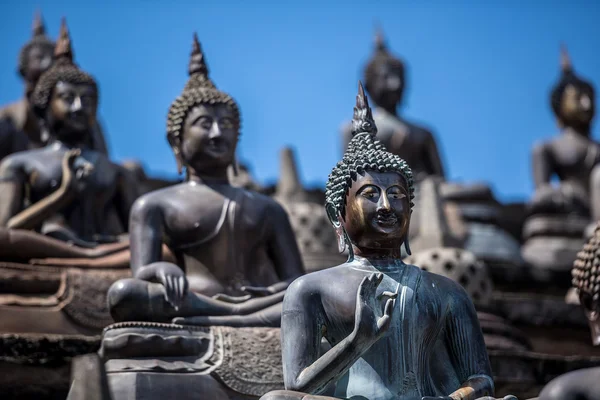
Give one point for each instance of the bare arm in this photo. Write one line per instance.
(12, 188)
(541, 165)
(467, 349)
(283, 249)
(302, 323)
(145, 234)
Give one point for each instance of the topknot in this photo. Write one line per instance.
(586, 272)
(38, 39)
(198, 90)
(197, 68)
(364, 153)
(63, 70)
(568, 77)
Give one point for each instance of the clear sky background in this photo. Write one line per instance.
(479, 73)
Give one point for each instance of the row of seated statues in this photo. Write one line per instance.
(206, 279)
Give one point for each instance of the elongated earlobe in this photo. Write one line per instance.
(235, 167)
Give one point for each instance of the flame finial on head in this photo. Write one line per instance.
(362, 121)
(197, 69)
(38, 28)
(565, 59)
(380, 44)
(63, 49)
(197, 62)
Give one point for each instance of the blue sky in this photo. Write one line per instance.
(479, 73)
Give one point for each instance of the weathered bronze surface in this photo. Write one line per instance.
(375, 310)
(385, 83)
(19, 125)
(74, 193)
(228, 241)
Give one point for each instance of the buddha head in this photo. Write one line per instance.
(369, 194)
(572, 98)
(36, 55)
(586, 280)
(65, 97)
(384, 76)
(203, 124)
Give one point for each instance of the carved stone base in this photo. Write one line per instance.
(55, 300)
(146, 359)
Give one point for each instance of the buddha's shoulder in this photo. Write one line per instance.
(160, 197)
(312, 282)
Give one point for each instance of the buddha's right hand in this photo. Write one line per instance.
(75, 171)
(372, 315)
(171, 277)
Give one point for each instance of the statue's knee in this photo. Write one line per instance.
(126, 299)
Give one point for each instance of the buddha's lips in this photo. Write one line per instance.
(387, 220)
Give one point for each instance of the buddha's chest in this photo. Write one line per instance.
(198, 215)
(575, 154)
(45, 175)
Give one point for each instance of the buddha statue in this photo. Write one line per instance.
(396, 331)
(583, 384)
(235, 248)
(19, 125)
(385, 83)
(559, 214)
(65, 190)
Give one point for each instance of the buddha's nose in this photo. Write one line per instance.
(383, 205)
(215, 131)
(76, 105)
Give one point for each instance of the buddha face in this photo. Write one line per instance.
(377, 210)
(72, 108)
(38, 60)
(386, 84)
(210, 137)
(577, 104)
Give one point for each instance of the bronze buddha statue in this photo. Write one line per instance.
(396, 331)
(66, 190)
(559, 214)
(230, 243)
(19, 124)
(385, 83)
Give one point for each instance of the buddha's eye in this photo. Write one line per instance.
(67, 97)
(205, 122)
(370, 193)
(226, 123)
(396, 195)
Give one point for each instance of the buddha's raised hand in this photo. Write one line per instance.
(373, 313)
(75, 171)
